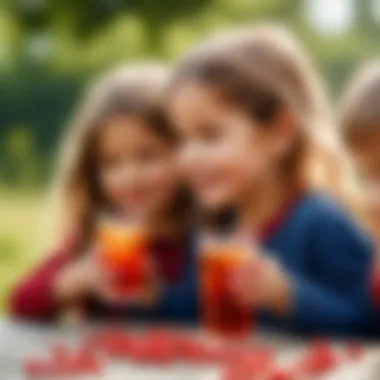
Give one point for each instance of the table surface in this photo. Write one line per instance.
(19, 342)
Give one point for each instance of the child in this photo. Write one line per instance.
(250, 113)
(119, 159)
(360, 127)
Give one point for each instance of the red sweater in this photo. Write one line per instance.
(33, 297)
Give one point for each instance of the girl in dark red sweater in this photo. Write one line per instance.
(119, 159)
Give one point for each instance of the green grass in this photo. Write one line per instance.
(20, 237)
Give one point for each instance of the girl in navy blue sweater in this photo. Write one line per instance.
(250, 113)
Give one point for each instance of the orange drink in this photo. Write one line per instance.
(222, 314)
(124, 252)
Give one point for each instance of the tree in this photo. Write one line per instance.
(85, 18)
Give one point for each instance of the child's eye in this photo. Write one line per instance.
(109, 162)
(148, 155)
(210, 132)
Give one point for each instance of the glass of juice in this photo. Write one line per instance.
(124, 253)
(222, 314)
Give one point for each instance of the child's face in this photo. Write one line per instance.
(138, 173)
(367, 161)
(223, 153)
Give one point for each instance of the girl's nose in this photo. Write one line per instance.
(130, 173)
(190, 155)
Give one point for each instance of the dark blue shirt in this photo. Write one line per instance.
(329, 258)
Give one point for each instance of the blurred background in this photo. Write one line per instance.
(49, 49)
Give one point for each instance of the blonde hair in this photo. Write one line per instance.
(263, 70)
(127, 90)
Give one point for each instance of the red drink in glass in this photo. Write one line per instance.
(124, 252)
(222, 314)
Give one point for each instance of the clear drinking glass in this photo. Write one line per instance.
(220, 257)
(124, 253)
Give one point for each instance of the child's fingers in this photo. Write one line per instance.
(246, 282)
(256, 283)
(142, 298)
(147, 296)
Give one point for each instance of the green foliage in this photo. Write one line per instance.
(86, 17)
(20, 246)
(21, 157)
(8, 250)
(50, 48)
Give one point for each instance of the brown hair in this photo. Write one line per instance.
(360, 113)
(359, 120)
(135, 91)
(263, 70)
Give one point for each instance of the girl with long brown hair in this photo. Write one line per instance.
(256, 138)
(118, 160)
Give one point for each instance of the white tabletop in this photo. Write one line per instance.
(19, 342)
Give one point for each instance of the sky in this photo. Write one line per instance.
(331, 16)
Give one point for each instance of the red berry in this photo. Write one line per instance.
(117, 345)
(60, 352)
(161, 352)
(256, 365)
(138, 351)
(144, 351)
(43, 368)
(231, 373)
(281, 374)
(320, 359)
(51, 368)
(192, 350)
(237, 371)
(229, 354)
(85, 362)
(34, 368)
